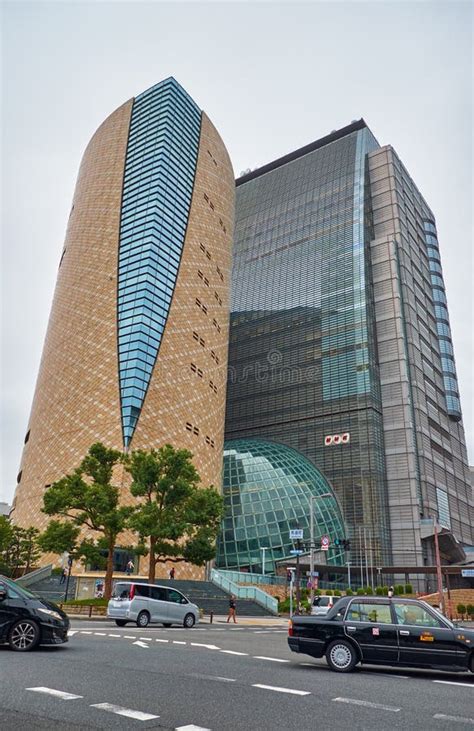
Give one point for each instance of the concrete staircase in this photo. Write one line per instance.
(212, 598)
(51, 589)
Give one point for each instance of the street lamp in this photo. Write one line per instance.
(263, 560)
(311, 550)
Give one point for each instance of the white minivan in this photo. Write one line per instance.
(145, 603)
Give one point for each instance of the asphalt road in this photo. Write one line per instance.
(218, 677)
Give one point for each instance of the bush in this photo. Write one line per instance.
(385, 590)
(57, 571)
(87, 602)
(398, 589)
(470, 610)
(461, 608)
(380, 590)
(337, 592)
(360, 591)
(368, 590)
(408, 589)
(349, 592)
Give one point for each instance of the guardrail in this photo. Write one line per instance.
(34, 576)
(244, 577)
(245, 592)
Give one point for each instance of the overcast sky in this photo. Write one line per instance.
(272, 77)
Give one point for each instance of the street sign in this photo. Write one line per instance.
(296, 534)
(467, 573)
(315, 573)
(325, 543)
(296, 552)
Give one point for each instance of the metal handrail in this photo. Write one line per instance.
(245, 592)
(243, 577)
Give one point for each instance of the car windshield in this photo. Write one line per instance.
(19, 589)
(121, 591)
(321, 601)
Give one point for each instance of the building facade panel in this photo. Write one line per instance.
(106, 327)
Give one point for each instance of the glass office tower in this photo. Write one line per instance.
(304, 360)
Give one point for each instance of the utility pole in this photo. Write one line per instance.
(298, 588)
(263, 560)
(438, 566)
(311, 538)
(348, 564)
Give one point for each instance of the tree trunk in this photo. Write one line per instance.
(110, 569)
(152, 562)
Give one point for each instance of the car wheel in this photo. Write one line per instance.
(143, 619)
(166, 624)
(189, 621)
(120, 622)
(24, 635)
(341, 656)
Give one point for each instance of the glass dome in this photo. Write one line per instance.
(267, 489)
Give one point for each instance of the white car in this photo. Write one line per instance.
(144, 603)
(322, 605)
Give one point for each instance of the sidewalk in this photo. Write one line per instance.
(217, 619)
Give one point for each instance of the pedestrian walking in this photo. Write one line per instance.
(390, 592)
(63, 576)
(172, 573)
(232, 606)
(130, 568)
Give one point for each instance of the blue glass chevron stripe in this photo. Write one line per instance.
(159, 174)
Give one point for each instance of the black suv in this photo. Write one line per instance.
(26, 620)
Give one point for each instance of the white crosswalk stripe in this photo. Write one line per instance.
(121, 711)
(281, 690)
(56, 693)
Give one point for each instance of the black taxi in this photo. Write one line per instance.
(382, 631)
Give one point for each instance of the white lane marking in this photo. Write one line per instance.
(129, 637)
(112, 635)
(215, 677)
(57, 693)
(145, 639)
(121, 711)
(161, 640)
(141, 644)
(191, 727)
(308, 664)
(272, 659)
(233, 652)
(102, 634)
(178, 642)
(85, 632)
(209, 647)
(357, 702)
(281, 690)
(388, 675)
(453, 682)
(72, 632)
(459, 719)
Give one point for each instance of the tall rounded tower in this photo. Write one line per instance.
(136, 348)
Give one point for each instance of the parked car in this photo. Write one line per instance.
(144, 603)
(26, 620)
(382, 631)
(322, 604)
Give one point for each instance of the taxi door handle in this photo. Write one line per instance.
(351, 629)
(404, 632)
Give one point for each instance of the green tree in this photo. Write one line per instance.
(5, 533)
(179, 520)
(18, 547)
(87, 498)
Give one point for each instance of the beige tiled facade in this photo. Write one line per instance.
(77, 400)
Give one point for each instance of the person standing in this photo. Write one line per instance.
(63, 575)
(172, 573)
(390, 592)
(130, 568)
(232, 607)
